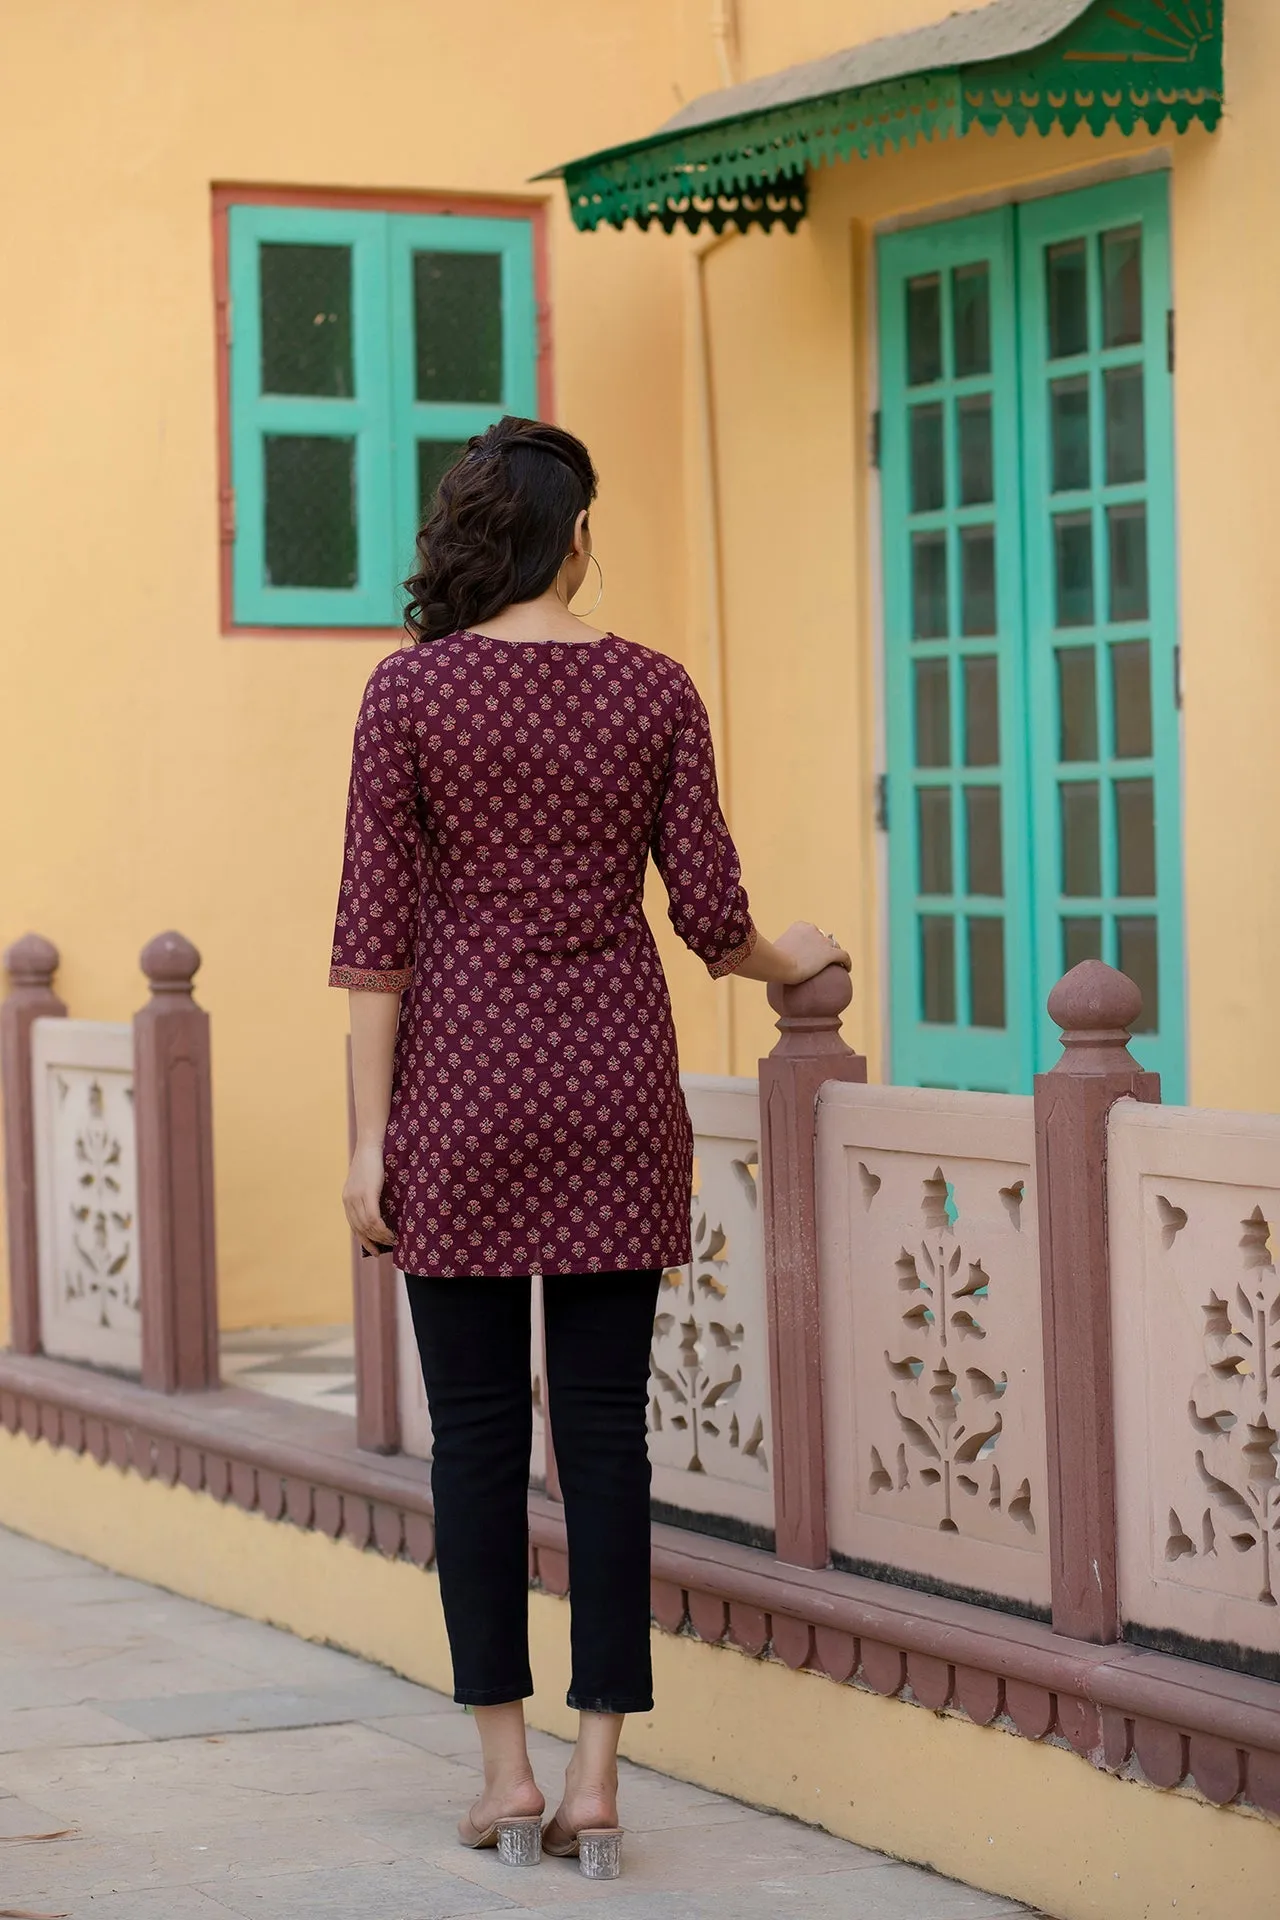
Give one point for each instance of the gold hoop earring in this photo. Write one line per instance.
(600, 594)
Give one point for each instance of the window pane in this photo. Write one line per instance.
(983, 840)
(929, 585)
(1068, 300)
(934, 815)
(924, 330)
(305, 304)
(977, 580)
(1069, 434)
(938, 968)
(1127, 536)
(986, 973)
(1081, 865)
(1139, 956)
(1126, 426)
(310, 511)
(977, 469)
(1131, 699)
(982, 712)
(928, 468)
(1122, 287)
(1081, 940)
(1077, 704)
(435, 457)
(933, 714)
(457, 317)
(1136, 838)
(971, 310)
(1073, 567)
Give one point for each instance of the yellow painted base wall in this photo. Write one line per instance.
(1003, 1813)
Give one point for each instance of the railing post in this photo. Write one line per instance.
(173, 1115)
(1096, 1007)
(374, 1284)
(30, 964)
(809, 1053)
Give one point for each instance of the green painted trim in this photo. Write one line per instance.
(1143, 63)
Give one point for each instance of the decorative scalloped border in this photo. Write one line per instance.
(361, 1503)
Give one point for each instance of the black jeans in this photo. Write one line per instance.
(473, 1336)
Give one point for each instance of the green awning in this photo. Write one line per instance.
(742, 155)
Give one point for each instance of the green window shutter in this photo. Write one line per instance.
(366, 348)
(1080, 784)
(1097, 404)
(463, 347)
(954, 657)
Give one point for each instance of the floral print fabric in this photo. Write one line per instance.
(505, 798)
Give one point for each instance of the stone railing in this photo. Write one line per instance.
(1015, 1429)
(109, 1173)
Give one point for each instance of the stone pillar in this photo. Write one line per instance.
(1096, 1007)
(173, 1109)
(30, 964)
(809, 1053)
(374, 1284)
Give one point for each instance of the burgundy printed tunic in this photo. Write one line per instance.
(504, 800)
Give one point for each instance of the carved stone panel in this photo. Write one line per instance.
(87, 1192)
(709, 1427)
(932, 1358)
(1195, 1233)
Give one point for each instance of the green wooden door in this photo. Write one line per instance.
(956, 786)
(1030, 629)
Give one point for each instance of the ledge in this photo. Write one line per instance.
(1149, 1716)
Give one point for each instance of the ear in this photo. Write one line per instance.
(581, 534)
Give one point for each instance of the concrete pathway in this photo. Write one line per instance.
(204, 1766)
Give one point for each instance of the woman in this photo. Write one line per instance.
(519, 1111)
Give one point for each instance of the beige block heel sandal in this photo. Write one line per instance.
(519, 1842)
(598, 1851)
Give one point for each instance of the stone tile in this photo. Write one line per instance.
(75, 1726)
(23, 1559)
(254, 1709)
(371, 1893)
(447, 1731)
(162, 1903)
(250, 1647)
(18, 1817)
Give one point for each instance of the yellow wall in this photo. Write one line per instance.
(156, 773)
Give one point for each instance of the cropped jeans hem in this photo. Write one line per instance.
(493, 1696)
(622, 1703)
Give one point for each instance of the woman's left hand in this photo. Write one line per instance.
(362, 1201)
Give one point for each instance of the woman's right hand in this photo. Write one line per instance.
(798, 954)
(809, 950)
(362, 1201)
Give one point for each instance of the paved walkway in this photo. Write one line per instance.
(204, 1766)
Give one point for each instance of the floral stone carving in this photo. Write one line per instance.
(709, 1387)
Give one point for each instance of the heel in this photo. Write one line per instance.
(520, 1841)
(600, 1852)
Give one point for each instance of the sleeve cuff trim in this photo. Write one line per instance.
(733, 960)
(371, 980)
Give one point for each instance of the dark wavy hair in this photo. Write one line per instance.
(500, 526)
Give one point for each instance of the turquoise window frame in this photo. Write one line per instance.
(1141, 203)
(1014, 239)
(924, 1053)
(384, 417)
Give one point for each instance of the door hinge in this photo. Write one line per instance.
(1172, 339)
(227, 515)
(874, 439)
(882, 803)
(1177, 678)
